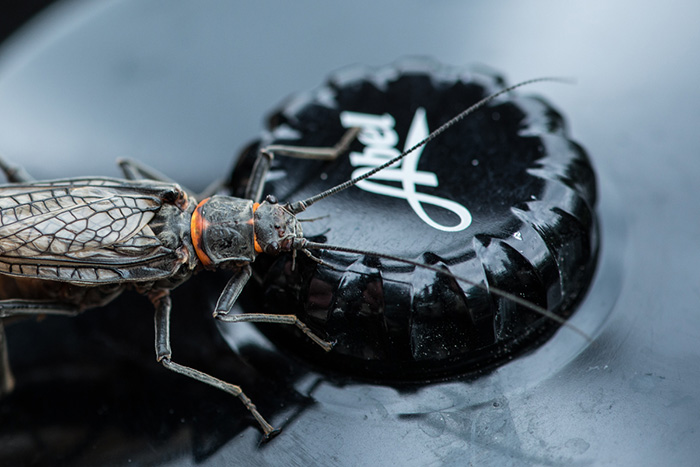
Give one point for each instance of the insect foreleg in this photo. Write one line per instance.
(233, 289)
(14, 173)
(7, 382)
(266, 154)
(162, 302)
(277, 319)
(229, 296)
(322, 154)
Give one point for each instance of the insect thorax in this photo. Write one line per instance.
(223, 231)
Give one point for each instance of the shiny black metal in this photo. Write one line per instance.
(531, 192)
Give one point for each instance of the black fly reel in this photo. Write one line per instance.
(503, 198)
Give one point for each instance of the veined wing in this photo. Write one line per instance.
(48, 229)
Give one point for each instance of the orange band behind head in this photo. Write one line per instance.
(197, 227)
(258, 249)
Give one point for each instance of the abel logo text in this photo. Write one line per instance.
(380, 139)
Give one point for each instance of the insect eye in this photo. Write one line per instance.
(271, 199)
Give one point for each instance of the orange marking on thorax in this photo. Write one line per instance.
(258, 249)
(197, 227)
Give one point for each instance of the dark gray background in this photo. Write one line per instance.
(183, 86)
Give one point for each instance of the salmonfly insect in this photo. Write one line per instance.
(73, 244)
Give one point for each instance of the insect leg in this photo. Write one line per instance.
(229, 296)
(213, 188)
(35, 307)
(277, 319)
(10, 308)
(135, 170)
(266, 154)
(7, 382)
(233, 289)
(257, 177)
(15, 173)
(162, 302)
(323, 154)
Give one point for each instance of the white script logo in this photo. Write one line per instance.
(380, 138)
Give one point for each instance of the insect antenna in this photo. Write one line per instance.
(300, 206)
(305, 244)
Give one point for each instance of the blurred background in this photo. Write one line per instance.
(183, 86)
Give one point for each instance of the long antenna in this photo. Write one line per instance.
(300, 206)
(309, 245)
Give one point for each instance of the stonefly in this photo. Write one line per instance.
(72, 244)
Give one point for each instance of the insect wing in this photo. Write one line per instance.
(49, 230)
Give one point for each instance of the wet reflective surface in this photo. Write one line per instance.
(184, 89)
